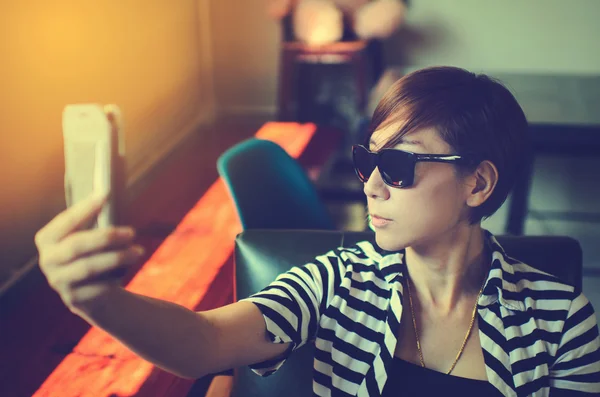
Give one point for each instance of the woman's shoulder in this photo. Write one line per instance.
(363, 252)
(529, 277)
(524, 286)
(532, 289)
(362, 257)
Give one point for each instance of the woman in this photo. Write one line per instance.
(436, 303)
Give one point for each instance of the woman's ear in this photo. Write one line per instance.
(481, 183)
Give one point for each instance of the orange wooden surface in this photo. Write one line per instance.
(182, 270)
(221, 386)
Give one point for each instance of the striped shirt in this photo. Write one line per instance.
(537, 333)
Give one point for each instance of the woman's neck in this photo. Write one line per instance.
(449, 270)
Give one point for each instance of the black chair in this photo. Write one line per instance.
(261, 255)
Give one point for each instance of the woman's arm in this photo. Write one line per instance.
(186, 343)
(84, 266)
(576, 370)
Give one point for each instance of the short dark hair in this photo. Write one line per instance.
(474, 113)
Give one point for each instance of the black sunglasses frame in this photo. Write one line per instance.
(411, 158)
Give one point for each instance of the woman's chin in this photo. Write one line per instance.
(389, 241)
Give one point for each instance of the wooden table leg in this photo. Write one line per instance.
(286, 83)
(360, 74)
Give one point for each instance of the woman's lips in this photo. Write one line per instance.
(378, 221)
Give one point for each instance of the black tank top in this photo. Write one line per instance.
(408, 379)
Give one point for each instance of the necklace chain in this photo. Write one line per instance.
(414, 320)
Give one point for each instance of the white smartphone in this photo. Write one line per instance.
(94, 157)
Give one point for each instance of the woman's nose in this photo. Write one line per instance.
(375, 187)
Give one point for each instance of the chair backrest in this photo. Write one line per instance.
(270, 189)
(261, 255)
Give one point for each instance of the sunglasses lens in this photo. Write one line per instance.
(364, 163)
(396, 167)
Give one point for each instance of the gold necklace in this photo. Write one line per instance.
(412, 312)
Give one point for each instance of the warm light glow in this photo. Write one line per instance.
(145, 56)
(181, 271)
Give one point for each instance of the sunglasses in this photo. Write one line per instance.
(397, 167)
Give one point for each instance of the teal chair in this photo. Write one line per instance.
(270, 189)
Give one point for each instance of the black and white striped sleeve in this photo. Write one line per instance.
(577, 365)
(292, 304)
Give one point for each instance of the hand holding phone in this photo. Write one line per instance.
(94, 158)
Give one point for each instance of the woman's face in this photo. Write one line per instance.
(431, 207)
